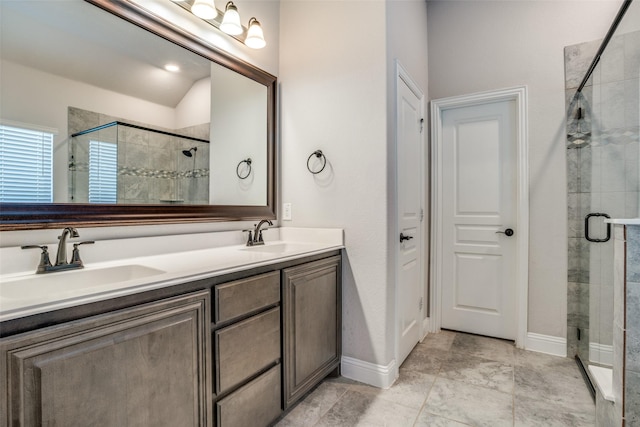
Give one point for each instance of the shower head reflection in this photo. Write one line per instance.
(188, 152)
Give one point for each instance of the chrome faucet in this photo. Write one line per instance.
(255, 235)
(61, 257)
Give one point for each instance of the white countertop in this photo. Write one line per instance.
(627, 221)
(25, 293)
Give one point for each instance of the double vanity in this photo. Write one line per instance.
(232, 335)
(191, 329)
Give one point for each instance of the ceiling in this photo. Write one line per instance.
(79, 41)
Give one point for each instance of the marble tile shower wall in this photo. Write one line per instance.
(151, 166)
(602, 176)
(632, 328)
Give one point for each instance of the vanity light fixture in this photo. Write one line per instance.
(204, 9)
(255, 36)
(227, 22)
(231, 20)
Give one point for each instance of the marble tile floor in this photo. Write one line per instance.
(453, 379)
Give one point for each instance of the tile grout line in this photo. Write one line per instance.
(513, 391)
(424, 402)
(436, 376)
(334, 404)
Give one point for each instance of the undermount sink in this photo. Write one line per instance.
(280, 248)
(70, 282)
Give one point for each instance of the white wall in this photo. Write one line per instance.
(33, 96)
(337, 94)
(239, 129)
(333, 97)
(484, 45)
(195, 107)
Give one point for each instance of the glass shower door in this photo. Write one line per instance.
(603, 181)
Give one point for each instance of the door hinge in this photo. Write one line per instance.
(420, 305)
(421, 214)
(421, 125)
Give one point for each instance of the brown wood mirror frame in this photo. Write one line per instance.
(24, 216)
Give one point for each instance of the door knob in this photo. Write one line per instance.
(403, 237)
(508, 232)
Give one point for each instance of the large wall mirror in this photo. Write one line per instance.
(99, 129)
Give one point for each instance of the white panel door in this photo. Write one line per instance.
(409, 152)
(479, 204)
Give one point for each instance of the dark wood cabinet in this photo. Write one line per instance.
(247, 351)
(240, 297)
(312, 323)
(245, 348)
(147, 365)
(258, 403)
(229, 351)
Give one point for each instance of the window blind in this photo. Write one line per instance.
(26, 165)
(103, 172)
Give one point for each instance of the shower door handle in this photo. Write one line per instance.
(586, 228)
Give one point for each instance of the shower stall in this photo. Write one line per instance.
(602, 95)
(120, 162)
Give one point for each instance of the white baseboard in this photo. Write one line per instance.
(425, 328)
(369, 373)
(556, 346)
(601, 353)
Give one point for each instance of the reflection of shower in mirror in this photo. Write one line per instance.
(188, 152)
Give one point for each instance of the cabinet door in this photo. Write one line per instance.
(312, 311)
(144, 366)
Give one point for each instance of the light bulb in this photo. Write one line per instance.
(255, 36)
(231, 20)
(204, 9)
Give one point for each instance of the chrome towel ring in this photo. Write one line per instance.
(248, 162)
(319, 155)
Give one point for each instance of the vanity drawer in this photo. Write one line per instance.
(245, 348)
(256, 404)
(240, 297)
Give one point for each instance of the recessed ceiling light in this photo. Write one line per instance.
(172, 67)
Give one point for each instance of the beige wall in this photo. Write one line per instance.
(484, 45)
